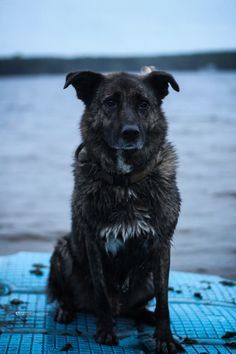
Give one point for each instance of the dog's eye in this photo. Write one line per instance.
(109, 102)
(143, 105)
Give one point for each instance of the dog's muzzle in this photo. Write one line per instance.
(130, 137)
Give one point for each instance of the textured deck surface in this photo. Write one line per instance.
(203, 310)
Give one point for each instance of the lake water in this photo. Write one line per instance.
(39, 133)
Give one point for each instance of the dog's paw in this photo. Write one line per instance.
(106, 336)
(167, 345)
(63, 315)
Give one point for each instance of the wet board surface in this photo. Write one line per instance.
(202, 308)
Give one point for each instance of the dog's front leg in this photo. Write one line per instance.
(161, 266)
(105, 332)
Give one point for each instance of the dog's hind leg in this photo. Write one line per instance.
(59, 282)
(140, 295)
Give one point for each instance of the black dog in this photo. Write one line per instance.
(125, 206)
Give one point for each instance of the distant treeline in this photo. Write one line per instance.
(24, 66)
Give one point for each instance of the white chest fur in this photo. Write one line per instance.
(121, 164)
(117, 234)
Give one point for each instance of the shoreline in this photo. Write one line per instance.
(181, 258)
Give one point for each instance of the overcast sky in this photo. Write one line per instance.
(124, 27)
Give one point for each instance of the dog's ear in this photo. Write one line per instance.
(159, 82)
(85, 84)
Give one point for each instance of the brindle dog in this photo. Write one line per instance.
(125, 206)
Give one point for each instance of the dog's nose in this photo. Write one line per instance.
(130, 132)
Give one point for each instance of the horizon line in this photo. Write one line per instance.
(111, 56)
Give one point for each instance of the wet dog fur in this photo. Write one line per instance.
(117, 255)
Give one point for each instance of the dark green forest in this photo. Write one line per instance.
(52, 65)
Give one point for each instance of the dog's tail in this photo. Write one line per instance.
(142, 314)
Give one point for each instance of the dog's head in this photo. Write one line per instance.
(122, 111)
